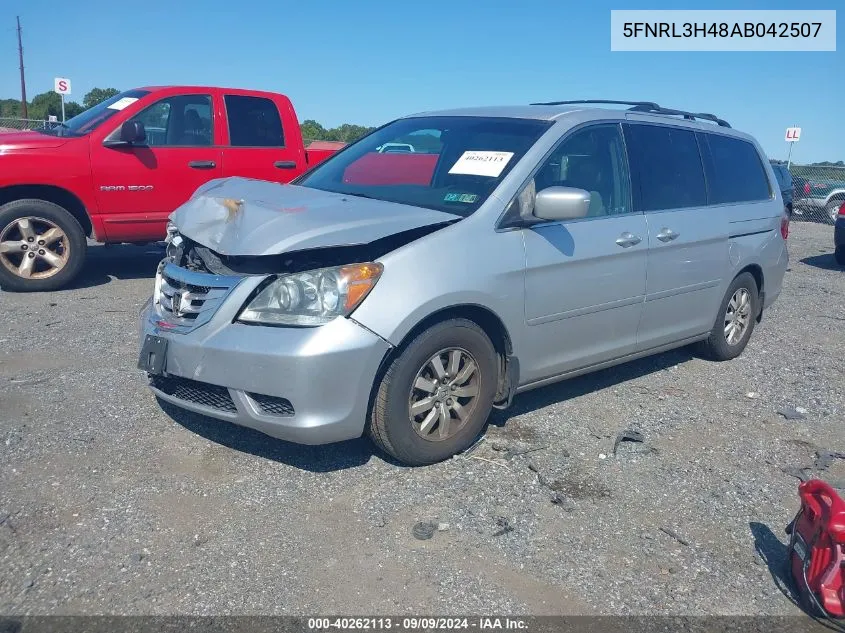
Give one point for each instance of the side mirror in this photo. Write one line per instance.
(132, 132)
(561, 203)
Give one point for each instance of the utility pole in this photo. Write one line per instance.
(23, 81)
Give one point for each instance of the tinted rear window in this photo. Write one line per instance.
(253, 122)
(735, 172)
(667, 167)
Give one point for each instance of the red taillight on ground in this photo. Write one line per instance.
(784, 226)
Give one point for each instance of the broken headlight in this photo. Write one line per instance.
(174, 243)
(313, 297)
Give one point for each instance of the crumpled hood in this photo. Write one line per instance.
(242, 216)
(29, 140)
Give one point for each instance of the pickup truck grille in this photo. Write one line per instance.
(186, 299)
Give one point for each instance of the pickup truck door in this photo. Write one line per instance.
(138, 186)
(259, 145)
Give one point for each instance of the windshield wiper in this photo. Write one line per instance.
(359, 195)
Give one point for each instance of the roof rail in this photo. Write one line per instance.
(648, 107)
(690, 116)
(649, 104)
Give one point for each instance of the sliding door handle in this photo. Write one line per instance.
(666, 235)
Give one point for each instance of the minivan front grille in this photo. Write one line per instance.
(186, 299)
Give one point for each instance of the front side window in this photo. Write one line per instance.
(185, 120)
(735, 172)
(667, 167)
(592, 159)
(253, 122)
(453, 164)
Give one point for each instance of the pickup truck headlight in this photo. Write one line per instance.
(313, 297)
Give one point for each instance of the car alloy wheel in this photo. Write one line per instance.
(33, 248)
(443, 394)
(737, 316)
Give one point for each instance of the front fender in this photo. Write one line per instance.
(466, 264)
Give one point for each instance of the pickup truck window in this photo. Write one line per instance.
(92, 118)
(184, 120)
(456, 164)
(253, 122)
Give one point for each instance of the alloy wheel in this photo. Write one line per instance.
(33, 248)
(737, 316)
(444, 394)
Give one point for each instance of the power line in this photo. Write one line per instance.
(23, 80)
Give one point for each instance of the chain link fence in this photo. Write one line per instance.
(815, 193)
(8, 124)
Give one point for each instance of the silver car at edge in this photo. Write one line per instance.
(404, 295)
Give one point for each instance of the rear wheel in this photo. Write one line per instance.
(436, 395)
(42, 246)
(735, 323)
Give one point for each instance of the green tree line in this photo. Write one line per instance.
(346, 133)
(50, 103)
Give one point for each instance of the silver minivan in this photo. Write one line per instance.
(405, 294)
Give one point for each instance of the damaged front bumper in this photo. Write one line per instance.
(309, 385)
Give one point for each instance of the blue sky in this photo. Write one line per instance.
(369, 61)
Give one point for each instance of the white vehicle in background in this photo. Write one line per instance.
(396, 148)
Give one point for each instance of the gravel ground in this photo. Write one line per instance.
(109, 504)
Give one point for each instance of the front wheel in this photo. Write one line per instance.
(436, 395)
(735, 323)
(42, 246)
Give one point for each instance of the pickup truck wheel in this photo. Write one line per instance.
(436, 395)
(832, 210)
(735, 323)
(42, 246)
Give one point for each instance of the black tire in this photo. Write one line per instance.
(716, 347)
(839, 254)
(390, 426)
(74, 235)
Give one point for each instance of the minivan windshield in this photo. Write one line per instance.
(92, 118)
(456, 162)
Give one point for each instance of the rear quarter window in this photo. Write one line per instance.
(735, 171)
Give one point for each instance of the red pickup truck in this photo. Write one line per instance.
(115, 172)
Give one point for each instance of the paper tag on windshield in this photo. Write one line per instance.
(122, 103)
(479, 163)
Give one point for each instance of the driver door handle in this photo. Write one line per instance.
(666, 235)
(628, 239)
